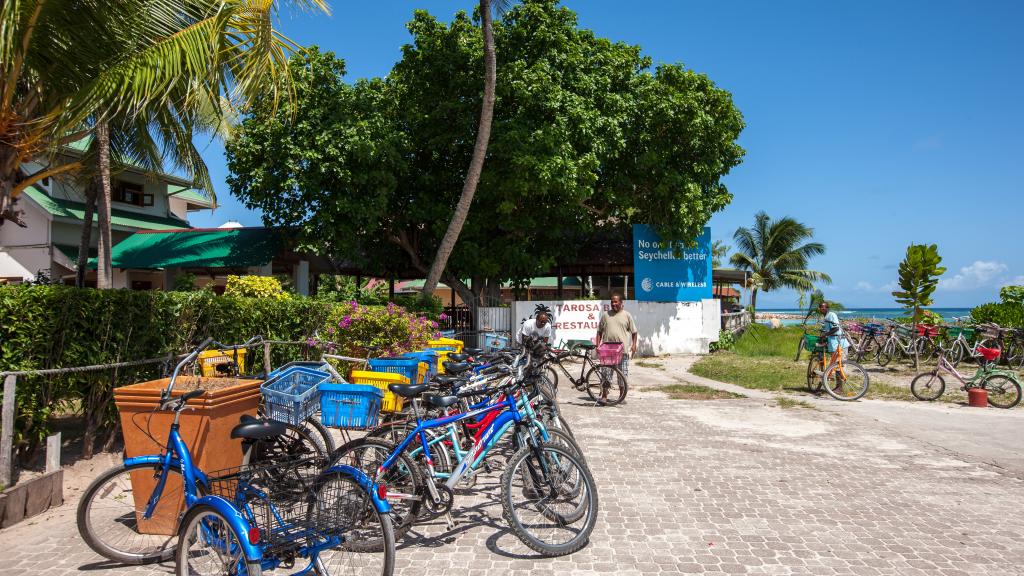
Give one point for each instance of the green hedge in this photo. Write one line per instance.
(57, 326)
(1006, 314)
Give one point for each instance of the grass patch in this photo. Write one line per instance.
(760, 341)
(789, 403)
(773, 374)
(646, 364)
(697, 392)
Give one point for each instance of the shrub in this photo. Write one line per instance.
(1012, 294)
(726, 341)
(255, 287)
(1006, 314)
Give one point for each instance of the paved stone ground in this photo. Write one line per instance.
(714, 487)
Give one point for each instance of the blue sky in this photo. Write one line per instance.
(878, 123)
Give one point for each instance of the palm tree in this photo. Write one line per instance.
(476, 163)
(719, 251)
(775, 253)
(123, 59)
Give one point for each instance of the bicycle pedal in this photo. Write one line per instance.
(487, 467)
(449, 521)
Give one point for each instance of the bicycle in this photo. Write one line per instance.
(593, 381)
(110, 512)
(1002, 387)
(553, 480)
(843, 380)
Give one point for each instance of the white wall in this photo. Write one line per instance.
(664, 327)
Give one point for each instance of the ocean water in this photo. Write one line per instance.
(948, 314)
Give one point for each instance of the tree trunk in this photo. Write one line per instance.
(753, 305)
(476, 164)
(104, 272)
(86, 241)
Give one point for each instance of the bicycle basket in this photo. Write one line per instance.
(927, 331)
(350, 406)
(292, 504)
(903, 330)
(810, 342)
(610, 353)
(293, 395)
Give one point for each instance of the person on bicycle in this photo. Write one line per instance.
(539, 326)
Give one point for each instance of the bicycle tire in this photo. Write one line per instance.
(1015, 354)
(345, 502)
(615, 382)
(530, 463)
(887, 354)
(163, 545)
(855, 375)
(928, 386)
(405, 476)
(324, 434)
(297, 443)
(1007, 392)
(813, 376)
(552, 377)
(206, 518)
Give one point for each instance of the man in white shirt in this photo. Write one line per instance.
(538, 327)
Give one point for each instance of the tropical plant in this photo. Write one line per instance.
(919, 276)
(719, 252)
(777, 252)
(1012, 294)
(255, 287)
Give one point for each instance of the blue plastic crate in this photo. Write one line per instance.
(430, 358)
(293, 394)
(308, 364)
(493, 342)
(350, 406)
(408, 367)
(448, 333)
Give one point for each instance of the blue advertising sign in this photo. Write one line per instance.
(662, 275)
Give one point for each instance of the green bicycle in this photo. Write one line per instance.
(1002, 386)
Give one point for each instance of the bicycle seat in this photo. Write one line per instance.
(251, 428)
(458, 357)
(457, 367)
(586, 346)
(471, 351)
(446, 380)
(440, 401)
(408, 390)
(989, 354)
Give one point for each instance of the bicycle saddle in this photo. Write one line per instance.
(251, 428)
(471, 351)
(458, 357)
(456, 367)
(446, 380)
(408, 390)
(440, 401)
(586, 346)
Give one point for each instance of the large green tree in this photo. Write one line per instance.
(586, 139)
(777, 252)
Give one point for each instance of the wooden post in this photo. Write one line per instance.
(561, 295)
(7, 431)
(359, 282)
(53, 453)
(266, 358)
(391, 289)
(625, 287)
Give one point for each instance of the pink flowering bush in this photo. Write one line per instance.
(354, 330)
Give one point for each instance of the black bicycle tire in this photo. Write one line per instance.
(1016, 387)
(406, 521)
(515, 524)
(617, 375)
(93, 542)
(253, 568)
(813, 384)
(927, 397)
(863, 390)
(387, 529)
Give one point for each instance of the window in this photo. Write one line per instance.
(131, 193)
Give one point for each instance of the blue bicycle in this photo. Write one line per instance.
(548, 494)
(222, 522)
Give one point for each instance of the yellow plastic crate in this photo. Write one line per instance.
(442, 357)
(422, 374)
(450, 342)
(210, 359)
(391, 402)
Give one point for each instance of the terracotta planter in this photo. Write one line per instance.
(206, 430)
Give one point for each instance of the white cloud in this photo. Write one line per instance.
(980, 274)
(863, 286)
(1015, 281)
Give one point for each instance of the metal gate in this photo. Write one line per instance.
(494, 319)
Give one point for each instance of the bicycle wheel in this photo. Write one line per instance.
(297, 443)
(1015, 354)
(320, 432)
(851, 384)
(541, 489)
(207, 544)
(1003, 391)
(343, 508)
(552, 419)
(108, 522)
(813, 373)
(887, 353)
(552, 377)
(607, 382)
(404, 477)
(927, 386)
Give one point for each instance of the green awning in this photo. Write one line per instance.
(198, 248)
(72, 251)
(189, 195)
(76, 210)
